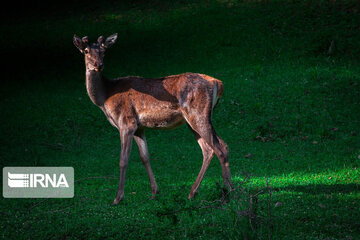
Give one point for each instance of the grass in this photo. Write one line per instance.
(290, 114)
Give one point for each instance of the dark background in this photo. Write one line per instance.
(290, 115)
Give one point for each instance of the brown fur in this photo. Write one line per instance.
(133, 104)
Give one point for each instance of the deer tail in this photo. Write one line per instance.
(217, 92)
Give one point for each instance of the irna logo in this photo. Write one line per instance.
(16, 180)
(38, 182)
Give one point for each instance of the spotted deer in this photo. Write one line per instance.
(132, 104)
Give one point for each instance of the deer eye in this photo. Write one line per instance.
(86, 50)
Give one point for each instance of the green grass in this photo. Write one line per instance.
(288, 101)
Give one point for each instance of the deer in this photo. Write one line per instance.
(133, 104)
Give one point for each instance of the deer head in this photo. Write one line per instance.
(94, 52)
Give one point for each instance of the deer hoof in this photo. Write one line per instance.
(191, 196)
(116, 201)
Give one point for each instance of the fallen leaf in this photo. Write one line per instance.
(329, 196)
(248, 155)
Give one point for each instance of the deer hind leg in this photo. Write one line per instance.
(225, 163)
(144, 155)
(208, 154)
(201, 124)
(126, 135)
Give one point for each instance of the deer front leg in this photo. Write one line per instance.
(126, 135)
(144, 155)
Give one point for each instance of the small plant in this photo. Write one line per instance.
(250, 209)
(250, 221)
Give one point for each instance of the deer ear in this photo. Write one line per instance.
(100, 40)
(80, 44)
(110, 41)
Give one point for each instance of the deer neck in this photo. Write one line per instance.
(95, 86)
